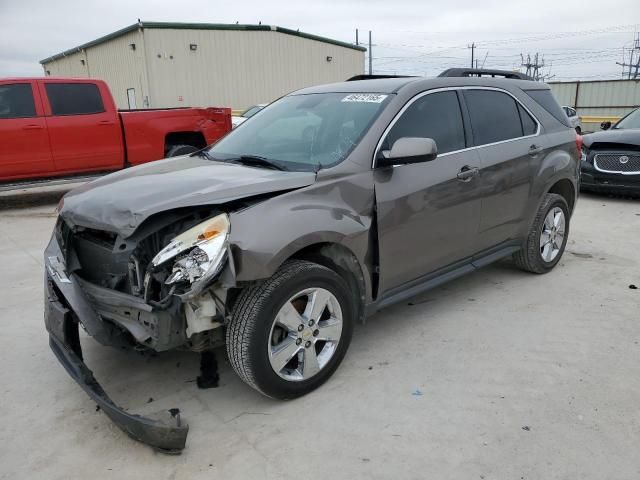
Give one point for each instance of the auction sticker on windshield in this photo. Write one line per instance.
(365, 97)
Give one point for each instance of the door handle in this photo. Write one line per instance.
(466, 173)
(32, 127)
(534, 150)
(106, 122)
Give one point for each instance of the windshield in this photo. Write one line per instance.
(630, 121)
(303, 132)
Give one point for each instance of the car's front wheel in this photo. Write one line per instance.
(289, 333)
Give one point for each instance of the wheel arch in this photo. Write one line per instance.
(566, 189)
(341, 260)
(195, 139)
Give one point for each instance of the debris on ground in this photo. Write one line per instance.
(526, 428)
(417, 393)
(633, 287)
(581, 255)
(150, 400)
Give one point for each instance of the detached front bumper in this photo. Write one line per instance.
(66, 305)
(616, 183)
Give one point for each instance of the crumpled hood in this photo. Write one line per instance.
(622, 136)
(120, 202)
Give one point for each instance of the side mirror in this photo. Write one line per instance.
(605, 125)
(407, 150)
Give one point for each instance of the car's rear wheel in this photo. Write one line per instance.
(178, 150)
(288, 334)
(547, 238)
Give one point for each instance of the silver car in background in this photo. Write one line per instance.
(574, 119)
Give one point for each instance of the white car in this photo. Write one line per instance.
(248, 113)
(574, 119)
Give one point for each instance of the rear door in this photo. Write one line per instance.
(507, 138)
(24, 144)
(428, 213)
(84, 127)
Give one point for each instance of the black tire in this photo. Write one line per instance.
(178, 150)
(248, 333)
(530, 257)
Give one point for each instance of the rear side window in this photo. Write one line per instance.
(435, 116)
(529, 125)
(74, 98)
(545, 99)
(16, 101)
(494, 116)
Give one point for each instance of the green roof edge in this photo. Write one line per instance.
(199, 26)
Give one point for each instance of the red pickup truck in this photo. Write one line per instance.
(51, 127)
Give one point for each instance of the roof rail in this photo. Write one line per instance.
(374, 77)
(481, 72)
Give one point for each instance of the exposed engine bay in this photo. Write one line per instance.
(156, 285)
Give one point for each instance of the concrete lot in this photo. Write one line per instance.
(499, 375)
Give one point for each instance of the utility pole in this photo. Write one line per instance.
(485, 59)
(472, 47)
(634, 68)
(357, 43)
(533, 66)
(370, 56)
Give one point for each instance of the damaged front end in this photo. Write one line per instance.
(156, 290)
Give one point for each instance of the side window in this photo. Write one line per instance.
(436, 116)
(74, 98)
(529, 125)
(16, 101)
(546, 100)
(494, 116)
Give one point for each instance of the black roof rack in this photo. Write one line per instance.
(374, 77)
(481, 72)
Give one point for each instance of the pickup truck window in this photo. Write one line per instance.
(304, 132)
(16, 101)
(74, 98)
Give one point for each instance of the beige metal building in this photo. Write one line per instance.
(151, 64)
(598, 100)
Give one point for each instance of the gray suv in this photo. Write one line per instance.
(331, 203)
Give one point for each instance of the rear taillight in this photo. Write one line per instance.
(579, 142)
(579, 147)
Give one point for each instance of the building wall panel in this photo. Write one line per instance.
(599, 100)
(239, 68)
(122, 67)
(115, 62)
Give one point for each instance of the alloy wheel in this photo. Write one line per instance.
(305, 334)
(552, 235)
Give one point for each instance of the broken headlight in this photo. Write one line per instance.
(200, 252)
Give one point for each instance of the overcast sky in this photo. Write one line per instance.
(579, 38)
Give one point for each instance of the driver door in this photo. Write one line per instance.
(428, 213)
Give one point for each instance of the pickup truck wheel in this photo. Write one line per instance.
(178, 150)
(548, 236)
(288, 334)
